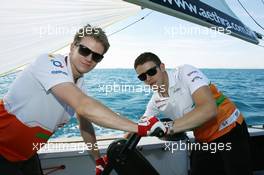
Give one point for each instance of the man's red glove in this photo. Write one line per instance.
(149, 126)
(100, 164)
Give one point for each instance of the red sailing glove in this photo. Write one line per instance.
(151, 126)
(100, 164)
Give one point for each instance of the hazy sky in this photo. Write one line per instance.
(179, 42)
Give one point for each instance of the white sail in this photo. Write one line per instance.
(207, 13)
(31, 27)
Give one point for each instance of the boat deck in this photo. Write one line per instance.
(72, 155)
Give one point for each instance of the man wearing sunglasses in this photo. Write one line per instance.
(194, 103)
(46, 94)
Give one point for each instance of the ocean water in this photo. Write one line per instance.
(120, 90)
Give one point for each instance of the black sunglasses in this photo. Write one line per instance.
(151, 72)
(85, 51)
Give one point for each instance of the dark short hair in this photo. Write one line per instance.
(145, 57)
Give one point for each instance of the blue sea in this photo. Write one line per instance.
(120, 90)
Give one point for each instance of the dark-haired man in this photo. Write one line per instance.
(193, 102)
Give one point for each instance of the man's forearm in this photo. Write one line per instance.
(99, 114)
(91, 109)
(194, 119)
(91, 140)
(88, 134)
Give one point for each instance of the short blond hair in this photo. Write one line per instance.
(96, 33)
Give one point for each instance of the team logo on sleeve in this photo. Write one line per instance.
(195, 75)
(196, 78)
(193, 72)
(58, 64)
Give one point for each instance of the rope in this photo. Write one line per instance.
(130, 24)
(262, 2)
(260, 45)
(250, 15)
(12, 70)
(54, 169)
